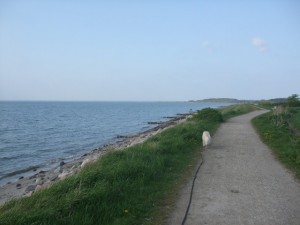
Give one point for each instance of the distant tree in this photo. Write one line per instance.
(293, 100)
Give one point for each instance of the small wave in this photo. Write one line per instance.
(10, 157)
(20, 171)
(45, 165)
(52, 161)
(38, 138)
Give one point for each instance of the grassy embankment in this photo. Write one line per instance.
(280, 130)
(135, 186)
(236, 110)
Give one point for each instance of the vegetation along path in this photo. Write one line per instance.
(240, 181)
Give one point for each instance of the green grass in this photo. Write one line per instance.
(284, 143)
(123, 187)
(295, 118)
(134, 186)
(236, 110)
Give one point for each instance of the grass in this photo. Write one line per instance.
(275, 132)
(123, 187)
(236, 110)
(295, 118)
(135, 186)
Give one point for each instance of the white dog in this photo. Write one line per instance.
(206, 139)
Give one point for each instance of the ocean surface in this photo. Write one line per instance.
(38, 135)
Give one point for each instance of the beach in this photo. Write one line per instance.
(26, 185)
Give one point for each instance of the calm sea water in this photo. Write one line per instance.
(43, 133)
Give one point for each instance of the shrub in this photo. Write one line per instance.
(279, 116)
(210, 114)
(293, 100)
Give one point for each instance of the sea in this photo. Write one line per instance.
(38, 135)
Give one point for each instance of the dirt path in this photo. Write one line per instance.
(240, 182)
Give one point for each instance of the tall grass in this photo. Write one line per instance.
(123, 187)
(274, 130)
(295, 117)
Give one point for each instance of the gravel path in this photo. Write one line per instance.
(240, 182)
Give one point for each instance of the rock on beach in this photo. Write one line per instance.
(25, 186)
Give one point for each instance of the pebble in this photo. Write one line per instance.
(38, 187)
(86, 162)
(63, 175)
(30, 188)
(45, 185)
(52, 176)
(39, 181)
(33, 176)
(28, 194)
(58, 170)
(43, 179)
(74, 167)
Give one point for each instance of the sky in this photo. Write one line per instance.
(109, 50)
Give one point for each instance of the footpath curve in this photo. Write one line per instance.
(240, 182)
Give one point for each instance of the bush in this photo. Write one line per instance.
(293, 100)
(279, 116)
(210, 114)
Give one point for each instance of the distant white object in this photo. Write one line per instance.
(206, 139)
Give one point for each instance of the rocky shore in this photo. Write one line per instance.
(25, 186)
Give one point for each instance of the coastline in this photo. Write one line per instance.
(42, 179)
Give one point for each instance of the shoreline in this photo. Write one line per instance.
(26, 185)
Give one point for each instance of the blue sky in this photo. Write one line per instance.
(148, 50)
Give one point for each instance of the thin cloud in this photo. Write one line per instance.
(260, 44)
